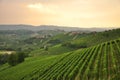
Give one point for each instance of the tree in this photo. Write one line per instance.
(46, 48)
(12, 59)
(16, 58)
(20, 57)
(3, 58)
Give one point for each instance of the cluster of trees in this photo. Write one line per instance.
(54, 41)
(7, 48)
(12, 59)
(15, 58)
(69, 44)
(3, 58)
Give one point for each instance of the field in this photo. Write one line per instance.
(100, 60)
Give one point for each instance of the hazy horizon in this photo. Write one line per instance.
(71, 13)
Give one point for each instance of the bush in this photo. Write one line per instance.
(108, 43)
(118, 40)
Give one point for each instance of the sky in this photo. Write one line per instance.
(74, 13)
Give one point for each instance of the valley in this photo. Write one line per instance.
(62, 55)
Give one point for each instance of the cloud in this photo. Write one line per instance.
(42, 8)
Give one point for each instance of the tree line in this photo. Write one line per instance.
(12, 59)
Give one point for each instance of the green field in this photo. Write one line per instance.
(100, 60)
(53, 50)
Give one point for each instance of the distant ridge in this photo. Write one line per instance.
(48, 27)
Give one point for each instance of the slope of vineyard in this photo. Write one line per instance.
(57, 49)
(72, 41)
(100, 62)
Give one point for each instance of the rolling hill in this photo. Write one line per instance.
(100, 60)
(48, 27)
(93, 63)
(76, 40)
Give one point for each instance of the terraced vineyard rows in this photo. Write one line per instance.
(101, 62)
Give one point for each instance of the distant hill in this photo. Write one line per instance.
(49, 27)
(70, 41)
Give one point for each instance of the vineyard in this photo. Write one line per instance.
(101, 62)
(92, 56)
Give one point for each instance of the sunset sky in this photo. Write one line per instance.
(78, 13)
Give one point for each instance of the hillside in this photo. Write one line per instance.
(56, 59)
(31, 41)
(53, 50)
(76, 40)
(48, 27)
(24, 39)
(97, 62)
(94, 38)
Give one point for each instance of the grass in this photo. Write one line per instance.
(30, 64)
(54, 50)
